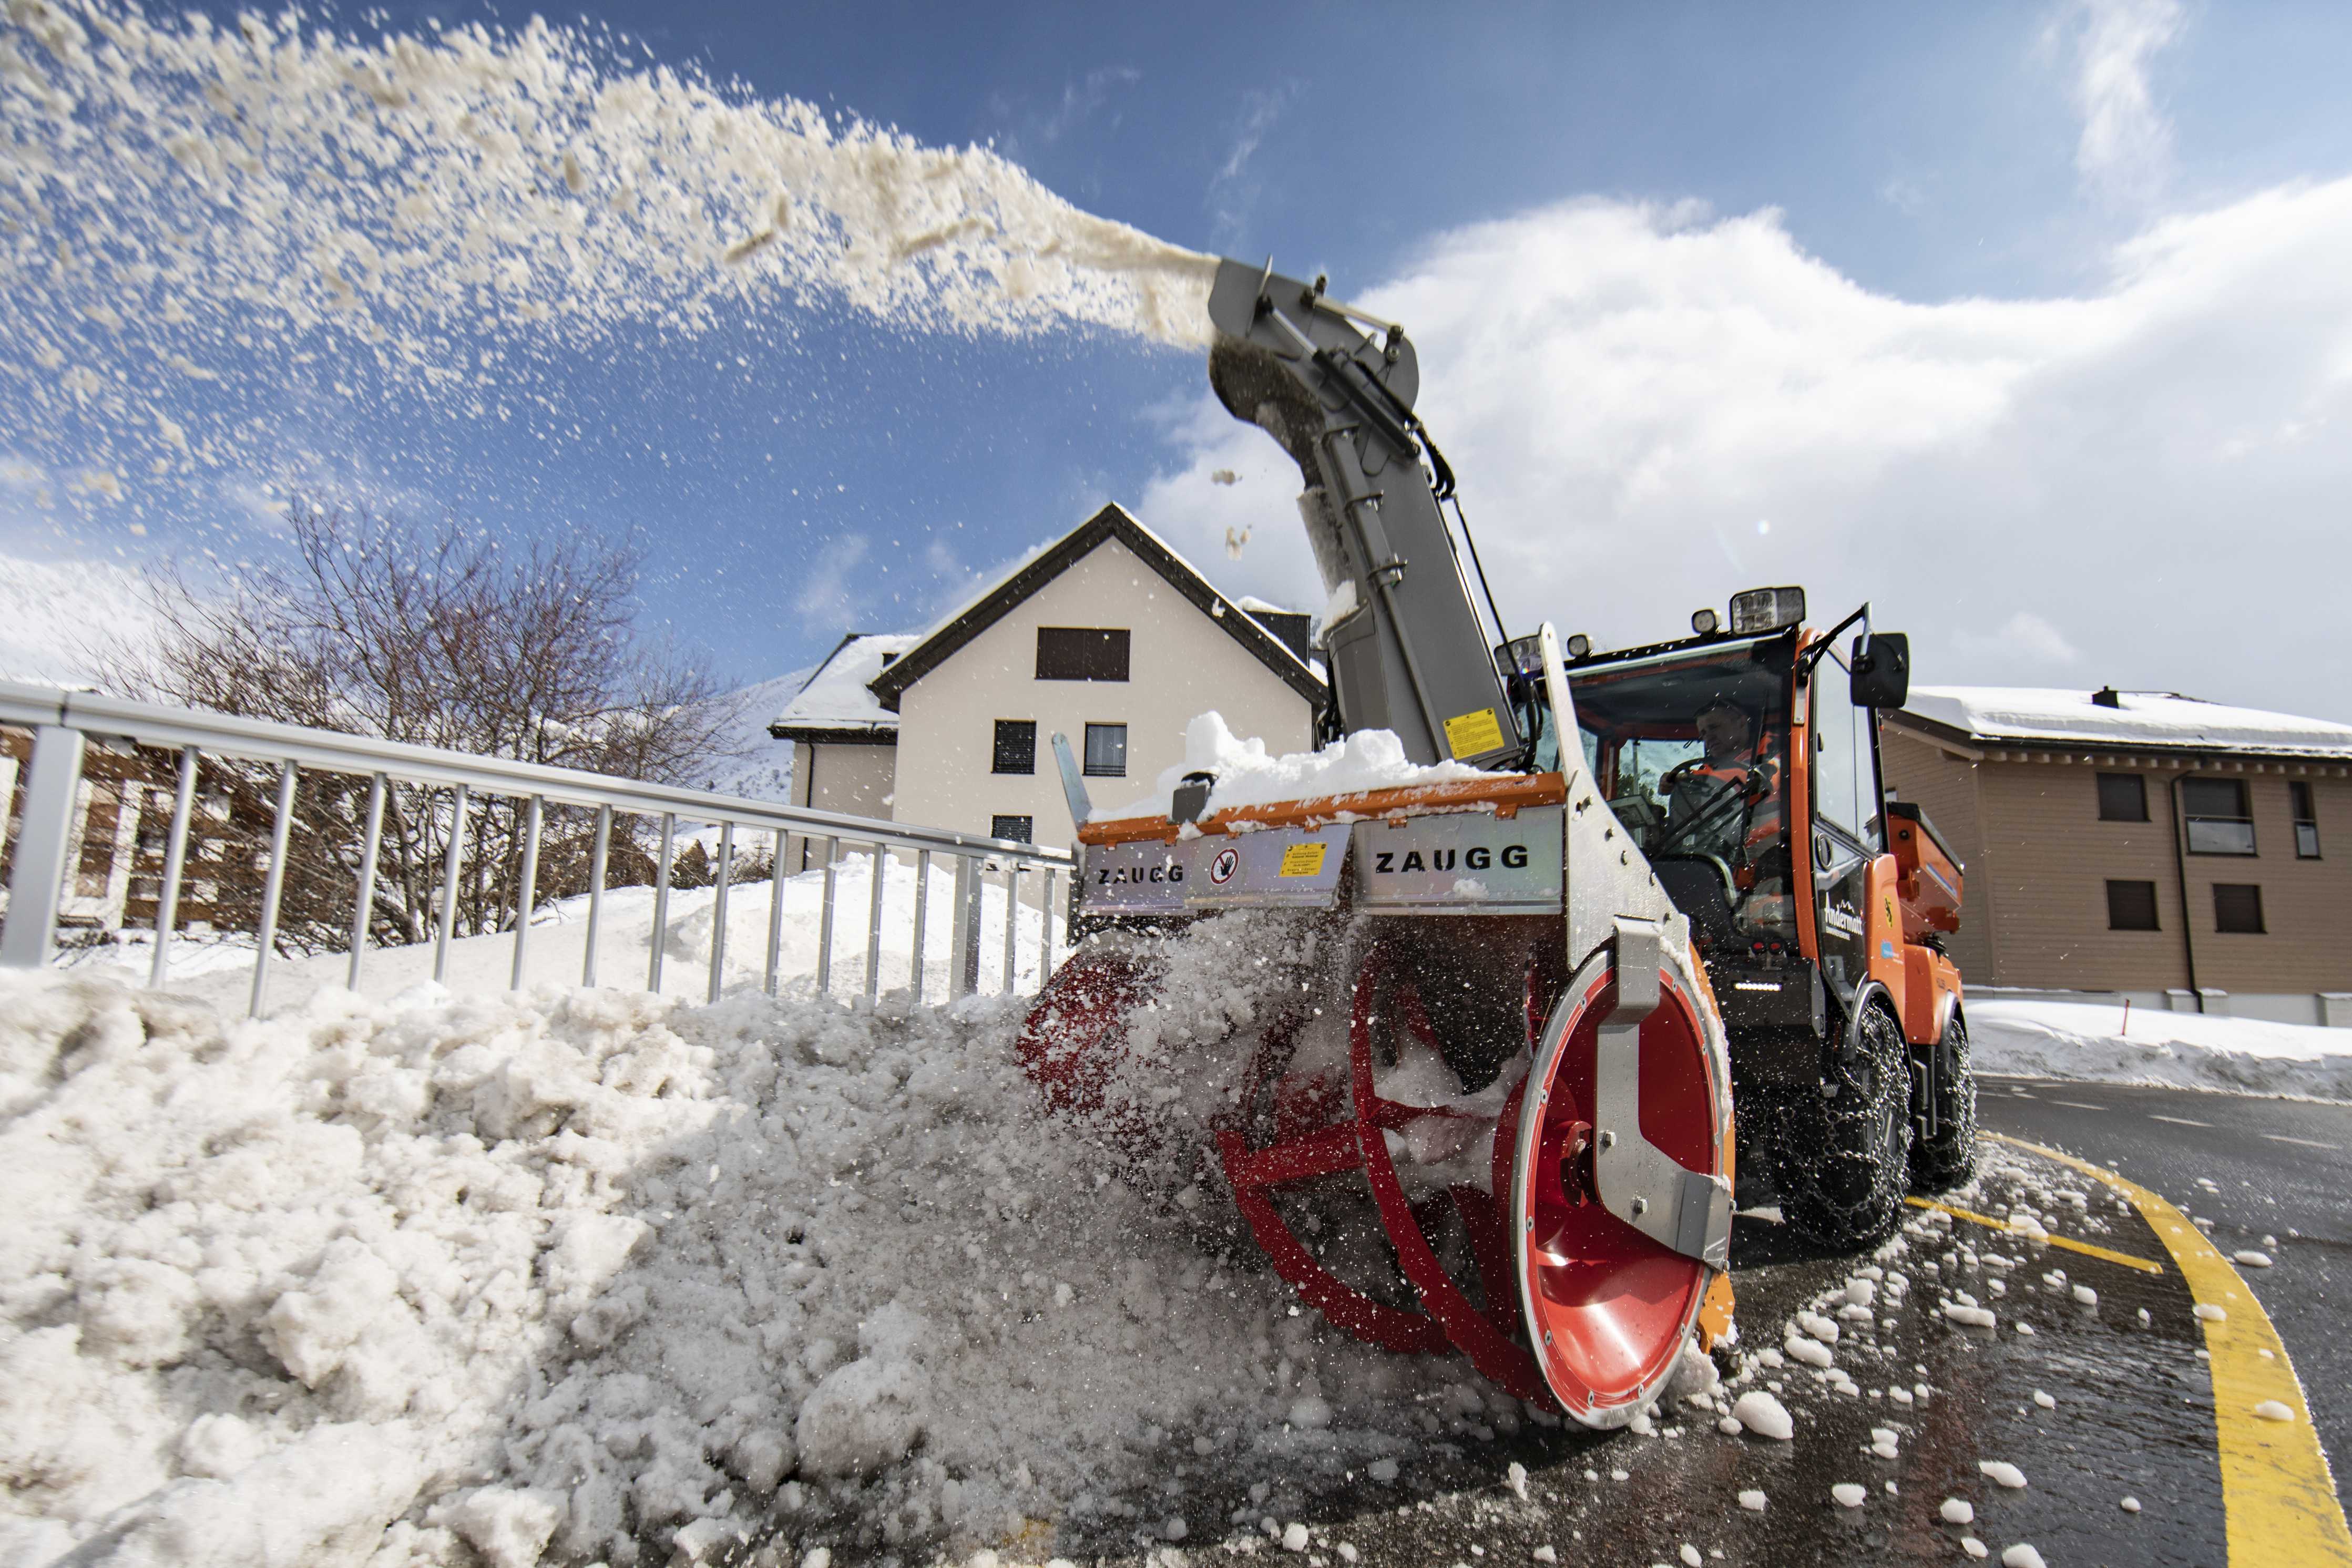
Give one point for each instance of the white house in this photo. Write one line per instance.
(1107, 636)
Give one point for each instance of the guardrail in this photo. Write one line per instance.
(64, 724)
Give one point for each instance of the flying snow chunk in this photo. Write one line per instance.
(2252, 1258)
(2002, 1472)
(1848, 1495)
(1294, 1537)
(1957, 1510)
(1973, 1547)
(1516, 1478)
(1752, 1501)
(2272, 1410)
(1383, 1471)
(2129, 1505)
(1811, 1352)
(1689, 1555)
(2044, 1400)
(1820, 1327)
(1764, 1415)
(2087, 1296)
(2211, 1313)
(2021, 1556)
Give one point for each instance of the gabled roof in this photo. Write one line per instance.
(1112, 522)
(2142, 721)
(834, 702)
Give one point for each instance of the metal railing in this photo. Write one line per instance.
(65, 723)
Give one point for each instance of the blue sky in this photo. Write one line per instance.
(1953, 306)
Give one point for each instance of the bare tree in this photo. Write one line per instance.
(442, 637)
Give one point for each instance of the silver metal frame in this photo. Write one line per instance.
(63, 722)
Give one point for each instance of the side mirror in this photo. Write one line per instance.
(1882, 670)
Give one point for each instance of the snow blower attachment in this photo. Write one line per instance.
(1502, 1036)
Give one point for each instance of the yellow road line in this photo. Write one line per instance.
(2277, 1494)
(2089, 1249)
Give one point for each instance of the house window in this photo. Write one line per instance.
(2131, 906)
(1106, 751)
(2238, 906)
(1020, 830)
(1081, 653)
(1016, 746)
(2306, 822)
(2218, 822)
(2122, 798)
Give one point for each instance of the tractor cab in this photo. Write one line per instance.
(1743, 762)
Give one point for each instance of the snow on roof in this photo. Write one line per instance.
(1256, 606)
(2141, 718)
(837, 697)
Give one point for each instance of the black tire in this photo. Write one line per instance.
(1944, 1161)
(1844, 1151)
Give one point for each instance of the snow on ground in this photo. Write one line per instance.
(2188, 1051)
(1247, 775)
(610, 1276)
(221, 971)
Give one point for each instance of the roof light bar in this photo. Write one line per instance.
(1765, 610)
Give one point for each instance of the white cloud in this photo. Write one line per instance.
(2160, 465)
(823, 592)
(2125, 145)
(2025, 642)
(57, 616)
(1232, 190)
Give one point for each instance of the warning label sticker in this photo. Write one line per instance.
(1302, 860)
(1470, 733)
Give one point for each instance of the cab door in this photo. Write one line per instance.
(1848, 820)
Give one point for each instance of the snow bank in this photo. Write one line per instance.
(1246, 776)
(2188, 1051)
(578, 1268)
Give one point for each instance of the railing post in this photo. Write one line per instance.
(1045, 936)
(596, 859)
(38, 883)
(527, 890)
(825, 922)
(718, 912)
(922, 911)
(963, 954)
(1012, 922)
(364, 905)
(661, 903)
(452, 862)
(776, 878)
(874, 926)
(176, 864)
(281, 830)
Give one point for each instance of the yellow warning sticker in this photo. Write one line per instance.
(1302, 860)
(1470, 734)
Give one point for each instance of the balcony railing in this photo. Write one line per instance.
(79, 849)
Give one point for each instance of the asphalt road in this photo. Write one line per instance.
(2097, 1403)
(2278, 1168)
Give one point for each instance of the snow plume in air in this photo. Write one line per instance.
(188, 208)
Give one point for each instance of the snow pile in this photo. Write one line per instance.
(603, 1274)
(244, 197)
(2187, 1051)
(2145, 718)
(1246, 776)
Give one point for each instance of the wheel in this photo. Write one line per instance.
(1943, 1162)
(1843, 1154)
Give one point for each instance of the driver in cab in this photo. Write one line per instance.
(1710, 798)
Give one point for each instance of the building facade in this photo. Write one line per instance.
(2186, 854)
(1108, 637)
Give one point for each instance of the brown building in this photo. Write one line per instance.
(2140, 843)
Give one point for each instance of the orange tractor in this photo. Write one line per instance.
(1515, 1007)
